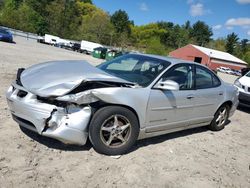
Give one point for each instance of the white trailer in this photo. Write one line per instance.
(51, 39)
(89, 47)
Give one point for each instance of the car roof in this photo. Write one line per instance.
(172, 60)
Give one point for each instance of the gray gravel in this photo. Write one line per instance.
(192, 158)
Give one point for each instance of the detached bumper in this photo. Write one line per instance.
(68, 126)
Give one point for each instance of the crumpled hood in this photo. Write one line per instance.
(57, 78)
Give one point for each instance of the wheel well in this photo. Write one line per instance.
(98, 105)
(229, 103)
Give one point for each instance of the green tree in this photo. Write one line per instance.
(247, 58)
(154, 46)
(218, 44)
(28, 19)
(8, 14)
(141, 35)
(201, 33)
(187, 25)
(121, 22)
(231, 43)
(98, 28)
(244, 45)
(87, 1)
(165, 25)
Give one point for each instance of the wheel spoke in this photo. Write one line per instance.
(120, 137)
(116, 121)
(108, 129)
(124, 127)
(224, 112)
(218, 119)
(111, 137)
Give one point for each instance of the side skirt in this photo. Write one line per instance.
(145, 134)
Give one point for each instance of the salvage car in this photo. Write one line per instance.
(132, 97)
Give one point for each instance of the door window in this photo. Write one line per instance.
(182, 74)
(205, 78)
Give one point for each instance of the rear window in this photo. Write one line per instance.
(4, 31)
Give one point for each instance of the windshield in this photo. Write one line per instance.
(3, 31)
(248, 74)
(135, 68)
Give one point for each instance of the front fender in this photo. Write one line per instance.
(136, 98)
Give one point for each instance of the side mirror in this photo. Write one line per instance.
(167, 85)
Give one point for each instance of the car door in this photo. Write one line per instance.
(171, 109)
(208, 94)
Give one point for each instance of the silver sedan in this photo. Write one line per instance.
(120, 101)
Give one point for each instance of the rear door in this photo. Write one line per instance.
(208, 94)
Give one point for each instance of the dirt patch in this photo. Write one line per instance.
(192, 158)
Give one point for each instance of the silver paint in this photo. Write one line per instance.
(57, 78)
(158, 111)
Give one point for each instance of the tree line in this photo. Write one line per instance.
(82, 20)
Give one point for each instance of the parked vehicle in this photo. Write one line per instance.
(243, 85)
(236, 72)
(244, 71)
(132, 97)
(64, 43)
(223, 69)
(5, 35)
(76, 46)
(41, 39)
(100, 52)
(88, 47)
(229, 71)
(51, 39)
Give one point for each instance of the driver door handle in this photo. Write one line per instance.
(190, 96)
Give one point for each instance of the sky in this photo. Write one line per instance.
(223, 16)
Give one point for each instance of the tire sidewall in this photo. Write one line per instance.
(213, 125)
(95, 126)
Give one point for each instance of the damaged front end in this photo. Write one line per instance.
(54, 99)
(64, 121)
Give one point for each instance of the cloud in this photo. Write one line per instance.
(248, 33)
(217, 27)
(243, 1)
(143, 7)
(190, 2)
(243, 22)
(198, 10)
(229, 28)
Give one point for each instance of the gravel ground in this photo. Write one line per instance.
(192, 158)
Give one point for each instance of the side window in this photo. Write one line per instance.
(182, 74)
(205, 79)
(216, 81)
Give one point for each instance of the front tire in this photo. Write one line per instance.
(113, 130)
(220, 118)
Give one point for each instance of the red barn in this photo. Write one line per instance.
(209, 57)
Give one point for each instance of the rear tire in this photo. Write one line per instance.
(113, 130)
(220, 118)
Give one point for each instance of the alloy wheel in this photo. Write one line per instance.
(222, 116)
(115, 131)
